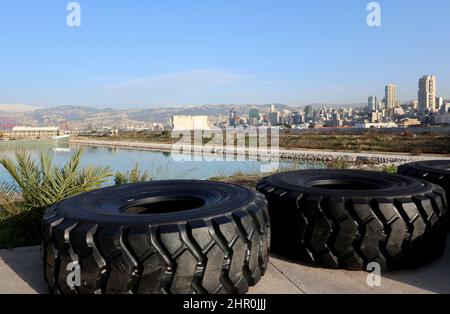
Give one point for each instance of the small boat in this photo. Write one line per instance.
(60, 137)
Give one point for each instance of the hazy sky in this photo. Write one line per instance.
(172, 52)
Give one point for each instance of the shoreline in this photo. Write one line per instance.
(289, 154)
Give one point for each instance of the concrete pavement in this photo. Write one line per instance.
(21, 273)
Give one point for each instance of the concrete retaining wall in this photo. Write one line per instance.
(310, 155)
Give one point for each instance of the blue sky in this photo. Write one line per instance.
(185, 52)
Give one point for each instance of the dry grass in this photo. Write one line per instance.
(406, 142)
(401, 143)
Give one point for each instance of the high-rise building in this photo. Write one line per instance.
(372, 103)
(232, 118)
(272, 108)
(253, 113)
(391, 96)
(446, 107)
(439, 103)
(427, 93)
(274, 118)
(309, 112)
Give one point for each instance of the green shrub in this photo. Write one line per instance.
(37, 186)
(133, 176)
(390, 169)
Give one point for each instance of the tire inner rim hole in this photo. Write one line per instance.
(344, 185)
(162, 204)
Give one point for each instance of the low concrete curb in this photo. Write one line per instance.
(293, 154)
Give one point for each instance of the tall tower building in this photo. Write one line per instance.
(391, 96)
(439, 103)
(309, 112)
(372, 103)
(253, 113)
(232, 118)
(427, 93)
(274, 118)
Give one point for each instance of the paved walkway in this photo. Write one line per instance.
(21, 272)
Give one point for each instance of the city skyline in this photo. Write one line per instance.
(427, 98)
(174, 53)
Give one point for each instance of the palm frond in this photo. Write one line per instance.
(42, 184)
(9, 199)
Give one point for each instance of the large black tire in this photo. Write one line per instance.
(158, 237)
(348, 219)
(434, 171)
